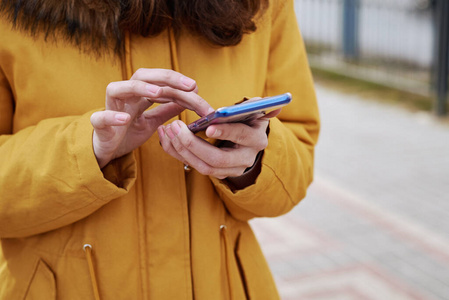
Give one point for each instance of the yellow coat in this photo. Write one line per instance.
(156, 231)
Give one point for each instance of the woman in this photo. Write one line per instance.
(117, 199)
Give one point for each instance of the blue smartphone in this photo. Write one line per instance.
(242, 112)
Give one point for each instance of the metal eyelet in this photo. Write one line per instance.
(87, 246)
(187, 168)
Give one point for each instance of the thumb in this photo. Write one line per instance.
(272, 114)
(104, 121)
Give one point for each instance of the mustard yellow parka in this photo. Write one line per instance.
(154, 230)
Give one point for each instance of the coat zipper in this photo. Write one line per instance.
(127, 72)
(183, 117)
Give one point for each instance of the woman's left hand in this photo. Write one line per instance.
(247, 141)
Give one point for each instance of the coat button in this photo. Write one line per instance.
(187, 168)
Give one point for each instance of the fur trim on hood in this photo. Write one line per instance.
(91, 25)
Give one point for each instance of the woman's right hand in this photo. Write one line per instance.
(126, 123)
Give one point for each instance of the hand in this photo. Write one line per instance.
(247, 141)
(126, 123)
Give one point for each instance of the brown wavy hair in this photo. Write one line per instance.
(96, 24)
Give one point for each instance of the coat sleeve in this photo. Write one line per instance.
(49, 176)
(287, 163)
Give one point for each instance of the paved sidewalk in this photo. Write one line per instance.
(375, 223)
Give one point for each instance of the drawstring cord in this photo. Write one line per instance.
(224, 234)
(88, 250)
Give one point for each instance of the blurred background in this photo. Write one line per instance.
(375, 221)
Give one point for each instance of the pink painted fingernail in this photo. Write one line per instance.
(153, 89)
(188, 82)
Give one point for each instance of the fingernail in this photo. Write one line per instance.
(121, 117)
(169, 133)
(188, 82)
(216, 133)
(176, 128)
(160, 132)
(153, 89)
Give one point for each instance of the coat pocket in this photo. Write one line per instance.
(254, 270)
(42, 284)
(240, 267)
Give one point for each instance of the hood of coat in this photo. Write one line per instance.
(90, 25)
